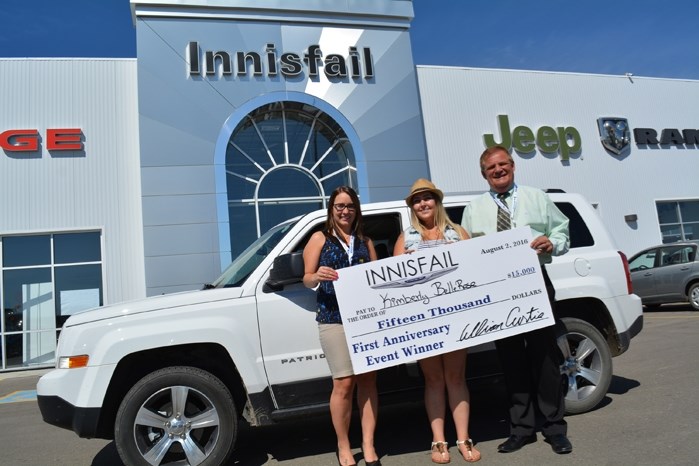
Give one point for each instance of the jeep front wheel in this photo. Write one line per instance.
(587, 365)
(176, 415)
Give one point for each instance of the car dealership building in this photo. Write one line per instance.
(126, 178)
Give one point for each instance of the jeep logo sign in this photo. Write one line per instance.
(549, 140)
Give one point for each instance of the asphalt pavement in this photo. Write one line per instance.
(650, 416)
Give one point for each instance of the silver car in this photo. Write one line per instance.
(668, 273)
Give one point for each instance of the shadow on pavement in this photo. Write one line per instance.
(671, 307)
(621, 385)
(107, 456)
(402, 429)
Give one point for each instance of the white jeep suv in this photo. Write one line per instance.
(170, 377)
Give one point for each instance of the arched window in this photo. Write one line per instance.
(283, 159)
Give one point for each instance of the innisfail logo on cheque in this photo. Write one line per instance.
(412, 271)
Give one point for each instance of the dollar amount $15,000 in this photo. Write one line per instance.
(521, 272)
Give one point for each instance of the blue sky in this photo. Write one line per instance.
(644, 37)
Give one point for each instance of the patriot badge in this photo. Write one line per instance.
(614, 133)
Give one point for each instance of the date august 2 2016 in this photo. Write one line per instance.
(504, 246)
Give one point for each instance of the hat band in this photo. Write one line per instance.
(419, 190)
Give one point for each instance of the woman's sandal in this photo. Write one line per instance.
(469, 452)
(440, 452)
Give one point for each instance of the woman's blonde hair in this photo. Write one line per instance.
(441, 220)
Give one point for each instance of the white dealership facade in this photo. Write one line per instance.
(132, 177)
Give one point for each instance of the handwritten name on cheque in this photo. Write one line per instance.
(438, 300)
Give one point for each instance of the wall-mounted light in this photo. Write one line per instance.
(630, 218)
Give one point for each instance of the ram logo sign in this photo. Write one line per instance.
(614, 133)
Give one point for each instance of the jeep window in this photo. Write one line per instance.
(248, 260)
(580, 235)
(383, 230)
(455, 213)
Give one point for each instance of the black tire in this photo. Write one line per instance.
(587, 365)
(200, 430)
(693, 296)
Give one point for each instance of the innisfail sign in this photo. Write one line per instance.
(358, 64)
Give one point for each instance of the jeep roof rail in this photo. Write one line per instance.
(462, 193)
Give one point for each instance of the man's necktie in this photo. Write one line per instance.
(504, 222)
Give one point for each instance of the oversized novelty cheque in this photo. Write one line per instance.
(440, 299)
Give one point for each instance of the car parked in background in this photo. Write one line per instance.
(668, 273)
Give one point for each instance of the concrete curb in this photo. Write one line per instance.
(24, 373)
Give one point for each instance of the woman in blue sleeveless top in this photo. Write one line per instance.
(342, 244)
(430, 226)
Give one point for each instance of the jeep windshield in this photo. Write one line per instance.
(243, 265)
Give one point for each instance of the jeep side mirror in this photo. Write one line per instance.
(287, 269)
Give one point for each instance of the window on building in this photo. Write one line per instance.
(45, 279)
(283, 159)
(679, 220)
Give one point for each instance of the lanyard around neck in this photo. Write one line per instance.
(503, 206)
(349, 248)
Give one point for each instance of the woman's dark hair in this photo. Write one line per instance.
(357, 225)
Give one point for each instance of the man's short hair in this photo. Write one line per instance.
(492, 150)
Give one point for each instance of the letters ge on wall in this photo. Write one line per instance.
(28, 140)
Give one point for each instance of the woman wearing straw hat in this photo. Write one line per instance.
(430, 226)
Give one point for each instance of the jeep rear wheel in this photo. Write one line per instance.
(176, 415)
(587, 365)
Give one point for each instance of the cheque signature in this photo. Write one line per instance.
(515, 318)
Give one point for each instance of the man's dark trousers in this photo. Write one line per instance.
(531, 363)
